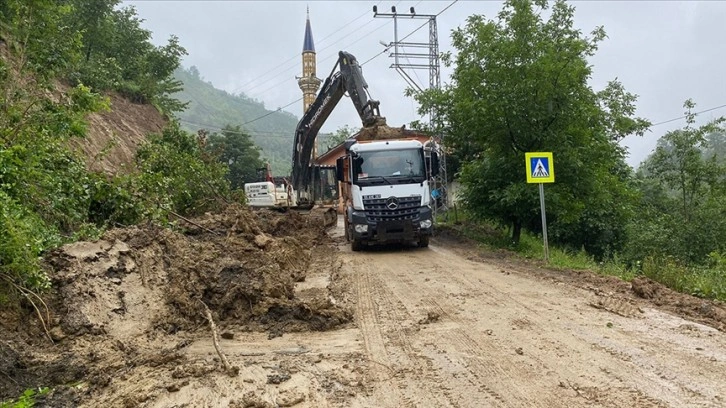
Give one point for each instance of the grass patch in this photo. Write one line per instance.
(702, 281)
(705, 281)
(27, 400)
(531, 247)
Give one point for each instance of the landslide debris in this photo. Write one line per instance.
(133, 299)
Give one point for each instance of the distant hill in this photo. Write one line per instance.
(211, 108)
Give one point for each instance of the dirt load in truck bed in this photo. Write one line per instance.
(383, 132)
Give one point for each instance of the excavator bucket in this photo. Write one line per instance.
(326, 216)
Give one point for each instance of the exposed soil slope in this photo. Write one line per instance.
(114, 137)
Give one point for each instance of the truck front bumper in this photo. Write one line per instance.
(388, 231)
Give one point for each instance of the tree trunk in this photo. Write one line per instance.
(516, 231)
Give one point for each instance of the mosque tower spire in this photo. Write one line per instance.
(308, 82)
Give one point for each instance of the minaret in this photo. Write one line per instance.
(308, 82)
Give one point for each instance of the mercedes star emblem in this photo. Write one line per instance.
(392, 203)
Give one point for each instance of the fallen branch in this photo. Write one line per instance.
(27, 293)
(232, 371)
(193, 223)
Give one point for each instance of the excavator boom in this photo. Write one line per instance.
(348, 79)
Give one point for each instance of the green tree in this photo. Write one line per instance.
(235, 148)
(682, 213)
(679, 162)
(90, 19)
(177, 175)
(520, 85)
(40, 38)
(344, 132)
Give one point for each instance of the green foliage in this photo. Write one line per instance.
(43, 184)
(212, 109)
(27, 400)
(177, 175)
(47, 195)
(520, 85)
(236, 149)
(701, 281)
(23, 236)
(117, 54)
(531, 246)
(683, 206)
(340, 135)
(40, 37)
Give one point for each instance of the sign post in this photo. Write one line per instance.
(540, 170)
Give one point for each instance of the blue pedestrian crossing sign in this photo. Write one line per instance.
(540, 167)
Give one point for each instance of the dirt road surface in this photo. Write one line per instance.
(304, 322)
(435, 329)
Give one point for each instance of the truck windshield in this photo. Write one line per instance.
(391, 166)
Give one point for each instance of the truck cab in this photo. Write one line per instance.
(386, 192)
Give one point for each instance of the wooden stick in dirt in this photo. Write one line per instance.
(233, 371)
(193, 223)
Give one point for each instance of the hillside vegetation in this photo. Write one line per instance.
(59, 61)
(212, 109)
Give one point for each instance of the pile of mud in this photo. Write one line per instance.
(382, 132)
(129, 298)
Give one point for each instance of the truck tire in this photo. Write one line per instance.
(423, 241)
(356, 245)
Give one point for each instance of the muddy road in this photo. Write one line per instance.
(435, 329)
(443, 326)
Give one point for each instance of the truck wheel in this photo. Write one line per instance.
(423, 241)
(356, 245)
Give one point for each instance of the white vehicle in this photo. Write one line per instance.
(385, 180)
(269, 194)
(386, 191)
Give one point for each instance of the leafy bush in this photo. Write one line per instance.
(177, 175)
(701, 281)
(23, 236)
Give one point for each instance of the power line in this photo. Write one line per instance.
(447, 7)
(271, 112)
(294, 57)
(284, 81)
(295, 66)
(370, 59)
(684, 116)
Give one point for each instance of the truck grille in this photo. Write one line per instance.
(379, 209)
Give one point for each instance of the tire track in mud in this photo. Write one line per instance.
(493, 340)
(383, 323)
(487, 359)
(474, 392)
(632, 357)
(480, 360)
(369, 324)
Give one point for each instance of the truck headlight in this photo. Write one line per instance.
(425, 224)
(361, 228)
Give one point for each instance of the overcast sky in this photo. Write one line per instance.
(663, 51)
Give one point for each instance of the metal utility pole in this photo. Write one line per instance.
(423, 51)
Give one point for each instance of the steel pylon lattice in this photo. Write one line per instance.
(428, 51)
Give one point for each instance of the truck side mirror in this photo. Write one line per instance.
(434, 164)
(340, 169)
